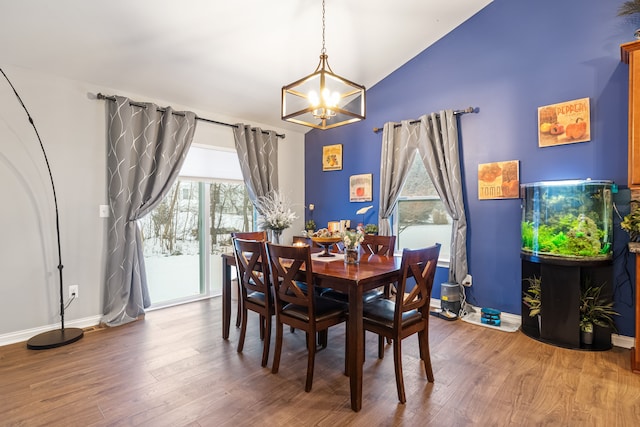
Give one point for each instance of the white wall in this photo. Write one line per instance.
(72, 125)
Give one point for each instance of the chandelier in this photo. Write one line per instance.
(323, 99)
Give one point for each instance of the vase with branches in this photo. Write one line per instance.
(276, 214)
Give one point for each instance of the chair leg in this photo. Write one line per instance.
(243, 332)
(381, 346)
(311, 358)
(388, 293)
(267, 341)
(278, 350)
(397, 361)
(262, 323)
(425, 355)
(239, 313)
(323, 338)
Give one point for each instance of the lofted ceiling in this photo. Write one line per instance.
(227, 57)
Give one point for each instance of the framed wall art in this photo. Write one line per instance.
(360, 187)
(564, 123)
(332, 157)
(499, 180)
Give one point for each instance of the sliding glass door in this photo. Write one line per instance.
(187, 232)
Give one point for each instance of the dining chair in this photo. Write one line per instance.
(246, 235)
(371, 245)
(378, 245)
(409, 313)
(296, 302)
(255, 290)
(251, 235)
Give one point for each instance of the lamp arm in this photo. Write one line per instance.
(53, 187)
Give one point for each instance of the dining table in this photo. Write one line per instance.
(353, 280)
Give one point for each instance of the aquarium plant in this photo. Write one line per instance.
(567, 219)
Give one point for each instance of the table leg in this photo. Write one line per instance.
(226, 298)
(356, 346)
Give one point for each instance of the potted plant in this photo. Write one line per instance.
(629, 8)
(310, 226)
(594, 310)
(631, 223)
(371, 229)
(532, 297)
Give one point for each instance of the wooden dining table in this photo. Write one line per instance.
(372, 272)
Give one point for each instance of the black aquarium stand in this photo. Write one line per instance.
(561, 281)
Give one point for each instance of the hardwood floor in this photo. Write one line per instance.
(174, 369)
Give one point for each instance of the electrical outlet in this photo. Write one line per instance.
(104, 211)
(467, 280)
(73, 291)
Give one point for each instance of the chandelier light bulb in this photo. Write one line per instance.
(314, 99)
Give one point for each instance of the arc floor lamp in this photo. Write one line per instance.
(62, 336)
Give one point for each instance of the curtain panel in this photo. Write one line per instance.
(146, 149)
(435, 138)
(258, 156)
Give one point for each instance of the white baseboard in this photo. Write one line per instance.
(20, 336)
(621, 341)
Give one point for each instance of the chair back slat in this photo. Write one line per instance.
(287, 275)
(250, 235)
(253, 273)
(419, 264)
(378, 245)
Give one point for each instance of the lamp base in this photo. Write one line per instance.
(56, 338)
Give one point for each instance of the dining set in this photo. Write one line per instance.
(385, 294)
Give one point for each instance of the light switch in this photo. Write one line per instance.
(104, 211)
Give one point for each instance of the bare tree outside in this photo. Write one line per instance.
(420, 217)
(172, 228)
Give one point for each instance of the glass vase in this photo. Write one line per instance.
(275, 236)
(351, 255)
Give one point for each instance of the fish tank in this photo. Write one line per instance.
(569, 219)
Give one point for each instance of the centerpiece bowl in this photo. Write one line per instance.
(326, 242)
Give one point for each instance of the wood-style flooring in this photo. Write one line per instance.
(173, 369)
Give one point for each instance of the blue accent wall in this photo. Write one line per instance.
(507, 60)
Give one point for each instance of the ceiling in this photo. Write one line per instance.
(226, 57)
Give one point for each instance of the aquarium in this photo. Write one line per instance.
(567, 219)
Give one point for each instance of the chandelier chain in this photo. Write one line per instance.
(324, 50)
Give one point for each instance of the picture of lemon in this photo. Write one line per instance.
(545, 127)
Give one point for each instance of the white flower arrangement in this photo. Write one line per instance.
(352, 239)
(276, 212)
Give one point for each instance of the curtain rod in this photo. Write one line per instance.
(456, 112)
(137, 104)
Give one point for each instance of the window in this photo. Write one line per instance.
(420, 219)
(186, 233)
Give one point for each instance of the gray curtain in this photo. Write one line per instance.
(438, 146)
(146, 149)
(435, 137)
(398, 152)
(258, 155)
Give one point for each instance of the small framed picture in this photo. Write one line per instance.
(564, 123)
(332, 157)
(499, 180)
(360, 187)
